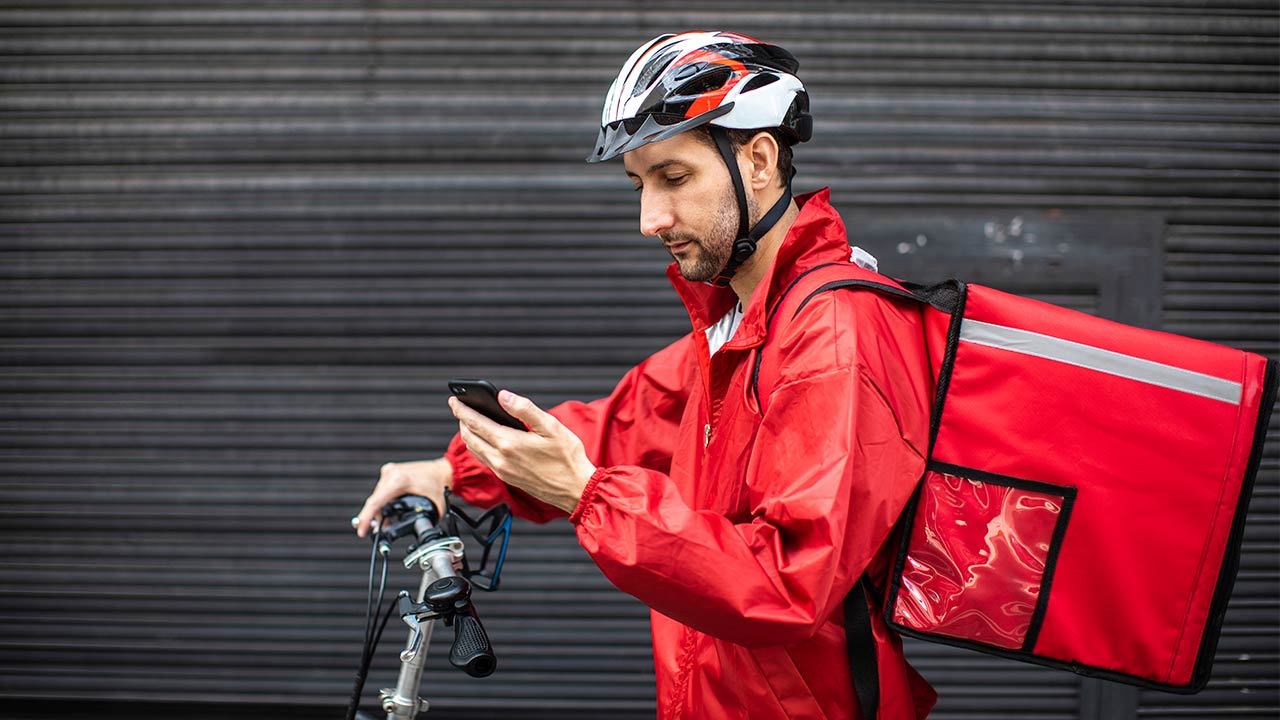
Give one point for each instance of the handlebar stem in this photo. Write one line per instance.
(438, 560)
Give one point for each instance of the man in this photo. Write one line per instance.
(743, 522)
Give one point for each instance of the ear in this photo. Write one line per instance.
(761, 157)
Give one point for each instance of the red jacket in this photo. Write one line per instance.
(743, 533)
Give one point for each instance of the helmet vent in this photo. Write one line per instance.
(712, 79)
(759, 81)
(651, 71)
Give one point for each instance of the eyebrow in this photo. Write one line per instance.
(654, 167)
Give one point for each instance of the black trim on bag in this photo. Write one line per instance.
(969, 473)
(948, 357)
(907, 521)
(1073, 667)
(956, 306)
(1021, 655)
(1068, 495)
(947, 296)
(1231, 563)
(1222, 593)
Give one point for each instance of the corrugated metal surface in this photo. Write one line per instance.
(1222, 284)
(242, 245)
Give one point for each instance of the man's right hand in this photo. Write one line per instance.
(427, 478)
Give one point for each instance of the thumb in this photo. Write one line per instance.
(523, 409)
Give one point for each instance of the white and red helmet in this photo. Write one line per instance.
(677, 82)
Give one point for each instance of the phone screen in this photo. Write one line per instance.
(482, 396)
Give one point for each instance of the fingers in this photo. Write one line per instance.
(483, 448)
(392, 484)
(481, 426)
(523, 409)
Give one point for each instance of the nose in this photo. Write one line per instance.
(655, 213)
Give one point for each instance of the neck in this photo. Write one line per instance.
(751, 272)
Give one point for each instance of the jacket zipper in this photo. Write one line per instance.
(706, 436)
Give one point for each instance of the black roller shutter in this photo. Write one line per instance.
(243, 245)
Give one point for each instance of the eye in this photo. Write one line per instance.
(677, 180)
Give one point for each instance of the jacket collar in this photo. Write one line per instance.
(817, 236)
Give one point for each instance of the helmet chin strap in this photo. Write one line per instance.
(748, 236)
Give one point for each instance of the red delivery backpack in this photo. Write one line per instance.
(1085, 494)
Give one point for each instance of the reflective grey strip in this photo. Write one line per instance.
(1092, 358)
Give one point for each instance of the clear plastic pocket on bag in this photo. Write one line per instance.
(979, 560)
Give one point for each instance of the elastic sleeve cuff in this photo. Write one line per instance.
(464, 464)
(588, 494)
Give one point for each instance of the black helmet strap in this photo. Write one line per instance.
(747, 236)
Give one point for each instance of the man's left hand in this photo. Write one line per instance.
(548, 461)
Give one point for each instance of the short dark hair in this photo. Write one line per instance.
(738, 138)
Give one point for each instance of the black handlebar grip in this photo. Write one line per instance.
(471, 651)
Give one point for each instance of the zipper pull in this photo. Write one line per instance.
(706, 436)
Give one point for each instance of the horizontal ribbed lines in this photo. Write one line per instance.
(243, 247)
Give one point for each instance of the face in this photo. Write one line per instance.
(687, 202)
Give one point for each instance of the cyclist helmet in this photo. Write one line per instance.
(677, 82)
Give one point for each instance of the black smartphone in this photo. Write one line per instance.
(482, 396)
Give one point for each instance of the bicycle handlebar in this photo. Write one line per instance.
(444, 594)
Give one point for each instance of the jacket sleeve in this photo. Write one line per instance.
(830, 472)
(634, 425)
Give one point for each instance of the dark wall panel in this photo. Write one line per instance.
(243, 245)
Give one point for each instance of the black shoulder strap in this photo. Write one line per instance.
(808, 278)
(861, 643)
(859, 637)
(858, 604)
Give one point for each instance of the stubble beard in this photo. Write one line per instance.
(708, 256)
